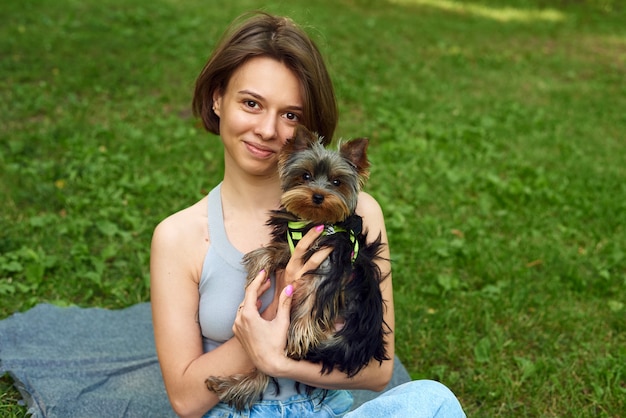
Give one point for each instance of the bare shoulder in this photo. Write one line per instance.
(373, 219)
(184, 217)
(182, 230)
(368, 207)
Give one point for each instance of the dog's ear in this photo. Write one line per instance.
(355, 151)
(302, 139)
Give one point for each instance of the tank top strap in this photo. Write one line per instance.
(217, 231)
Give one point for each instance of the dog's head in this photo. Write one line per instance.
(321, 185)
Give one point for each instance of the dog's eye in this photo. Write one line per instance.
(336, 183)
(306, 176)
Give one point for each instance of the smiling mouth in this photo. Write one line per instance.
(261, 152)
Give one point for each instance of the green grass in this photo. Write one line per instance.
(499, 156)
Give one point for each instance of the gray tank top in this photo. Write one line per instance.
(221, 287)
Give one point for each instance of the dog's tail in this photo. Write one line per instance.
(239, 391)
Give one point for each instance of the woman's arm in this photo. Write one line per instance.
(176, 251)
(259, 337)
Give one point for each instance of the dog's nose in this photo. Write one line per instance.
(318, 198)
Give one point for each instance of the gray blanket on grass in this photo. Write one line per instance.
(92, 362)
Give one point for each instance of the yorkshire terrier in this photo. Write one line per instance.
(337, 310)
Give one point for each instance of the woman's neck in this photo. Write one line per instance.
(252, 193)
(246, 206)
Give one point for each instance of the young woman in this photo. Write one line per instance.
(265, 77)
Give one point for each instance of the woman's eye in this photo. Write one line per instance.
(292, 117)
(251, 104)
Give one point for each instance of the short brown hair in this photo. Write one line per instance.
(278, 38)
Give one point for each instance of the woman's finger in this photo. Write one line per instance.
(254, 290)
(284, 307)
(317, 258)
(307, 240)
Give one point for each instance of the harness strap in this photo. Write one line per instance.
(296, 230)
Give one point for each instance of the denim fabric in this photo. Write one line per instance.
(335, 404)
(77, 363)
(416, 399)
(73, 362)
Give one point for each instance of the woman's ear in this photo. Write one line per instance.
(217, 102)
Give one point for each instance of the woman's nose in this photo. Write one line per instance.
(266, 128)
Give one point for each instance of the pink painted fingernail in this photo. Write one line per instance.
(289, 290)
(267, 276)
(319, 228)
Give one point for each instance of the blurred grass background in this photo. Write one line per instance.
(498, 150)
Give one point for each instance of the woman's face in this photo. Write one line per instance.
(258, 111)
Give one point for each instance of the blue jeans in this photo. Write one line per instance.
(335, 404)
(416, 399)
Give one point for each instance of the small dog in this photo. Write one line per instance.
(337, 310)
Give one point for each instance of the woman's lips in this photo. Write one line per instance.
(259, 150)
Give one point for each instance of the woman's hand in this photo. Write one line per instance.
(263, 340)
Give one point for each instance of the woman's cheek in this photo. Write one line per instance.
(286, 134)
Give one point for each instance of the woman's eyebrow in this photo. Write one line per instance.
(251, 93)
(259, 97)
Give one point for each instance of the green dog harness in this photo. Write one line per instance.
(296, 230)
